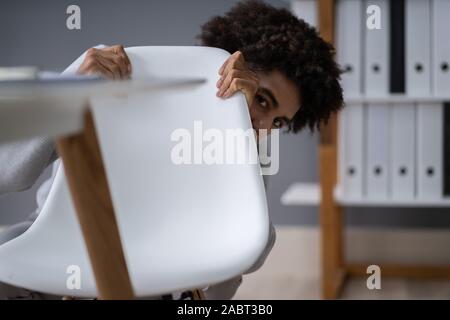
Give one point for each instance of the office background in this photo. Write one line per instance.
(35, 33)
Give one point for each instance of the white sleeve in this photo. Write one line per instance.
(22, 162)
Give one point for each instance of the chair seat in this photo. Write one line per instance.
(40, 258)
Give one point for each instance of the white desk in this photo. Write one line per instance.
(55, 108)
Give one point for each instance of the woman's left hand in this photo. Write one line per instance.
(235, 75)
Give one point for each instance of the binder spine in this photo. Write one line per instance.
(446, 147)
(397, 46)
(418, 47)
(441, 47)
(429, 156)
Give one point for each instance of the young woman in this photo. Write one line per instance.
(286, 71)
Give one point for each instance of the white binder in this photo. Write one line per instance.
(403, 151)
(349, 37)
(429, 150)
(376, 76)
(418, 47)
(376, 67)
(377, 150)
(349, 54)
(441, 47)
(351, 146)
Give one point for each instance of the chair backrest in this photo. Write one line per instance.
(182, 225)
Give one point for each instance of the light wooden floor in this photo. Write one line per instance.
(292, 269)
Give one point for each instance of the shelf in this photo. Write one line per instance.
(395, 98)
(395, 203)
(301, 194)
(308, 194)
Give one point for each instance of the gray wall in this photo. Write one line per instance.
(34, 33)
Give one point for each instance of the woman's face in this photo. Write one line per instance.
(275, 103)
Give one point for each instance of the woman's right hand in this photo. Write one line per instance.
(111, 62)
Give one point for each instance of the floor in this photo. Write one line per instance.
(292, 272)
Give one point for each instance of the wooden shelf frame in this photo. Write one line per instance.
(334, 267)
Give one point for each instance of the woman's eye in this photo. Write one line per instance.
(262, 101)
(277, 123)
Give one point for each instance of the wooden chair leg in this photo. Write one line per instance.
(86, 177)
(198, 294)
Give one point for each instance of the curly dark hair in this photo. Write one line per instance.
(274, 39)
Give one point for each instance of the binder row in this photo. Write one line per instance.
(395, 150)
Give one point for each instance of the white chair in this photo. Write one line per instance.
(182, 226)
